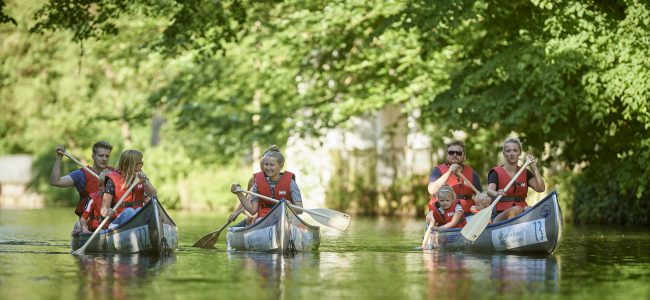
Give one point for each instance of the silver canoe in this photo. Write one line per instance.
(150, 231)
(280, 231)
(536, 231)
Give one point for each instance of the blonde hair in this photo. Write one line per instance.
(482, 200)
(102, 179)
(126, 165)
(446, 192)
(274, 151)
(511, 141)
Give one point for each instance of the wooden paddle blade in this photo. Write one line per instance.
(208, 240)
(477, 224)
(330, 218)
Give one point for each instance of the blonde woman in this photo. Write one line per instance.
(129, 168)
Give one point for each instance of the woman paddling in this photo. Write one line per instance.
(513, 201)
(271, 183)
(128, 168)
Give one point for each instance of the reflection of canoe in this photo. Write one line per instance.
(121, 266)
(537, 230)
(150, 231)
(280, 231)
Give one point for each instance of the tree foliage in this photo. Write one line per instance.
(569, 77)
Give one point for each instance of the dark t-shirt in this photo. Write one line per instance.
(79, 179)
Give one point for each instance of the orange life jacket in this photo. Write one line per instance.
(463, 192)
(516, 194)
(92, 213)
(134, 199)
(444, 218)
(92, 186)
(282, 191)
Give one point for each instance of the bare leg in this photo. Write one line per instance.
(508, 214)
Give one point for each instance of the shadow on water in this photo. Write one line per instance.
(460, 276)
(117, 276)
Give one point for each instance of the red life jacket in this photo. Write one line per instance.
(92, 186)
(516, 194)
(134, 199)
(92, 213)
(282, 191)
(463, 192)
(445, 218)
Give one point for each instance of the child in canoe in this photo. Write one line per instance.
(91, 216)
(446, 212)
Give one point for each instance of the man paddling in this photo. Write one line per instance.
(447, 173)
(83, 180)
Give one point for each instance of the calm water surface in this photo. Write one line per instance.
(374, 259)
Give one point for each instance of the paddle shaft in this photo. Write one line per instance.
(470, 183)
(81, 164)
(427, 233)
(83, 248)
(291, 205)
(477, 224)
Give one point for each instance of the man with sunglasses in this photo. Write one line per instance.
(447, 173)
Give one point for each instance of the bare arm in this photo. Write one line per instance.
(454, 221)
(458, 214)
(250, 206)
(84, 224)
(434, 186)
(55, 177)
(149, 189)
(492, 190)
(106, 209)
(536, 183)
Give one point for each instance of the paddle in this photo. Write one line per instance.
(81, 250)
(427, 234)
(470, 183)
(327, 217)
(208, 240)
(81, 164)
(479, 221)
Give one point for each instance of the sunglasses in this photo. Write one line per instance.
(457, 153)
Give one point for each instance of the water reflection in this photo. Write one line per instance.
(116, 276)
(278, 275)
(463, 276)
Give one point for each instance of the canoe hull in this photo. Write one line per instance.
(537, 231)
(151, 231)
(281, 231)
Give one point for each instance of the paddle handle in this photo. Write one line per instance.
(427, 233)
(291, 205)
(99, 228)
(470, 183)
(81, 164)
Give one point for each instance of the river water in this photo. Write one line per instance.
(374, 259)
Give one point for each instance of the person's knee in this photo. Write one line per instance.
(514, 211)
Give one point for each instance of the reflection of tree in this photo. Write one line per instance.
(111, 275)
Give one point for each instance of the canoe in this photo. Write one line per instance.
(280, 231)
(151, 231)
(536, 231)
